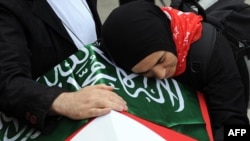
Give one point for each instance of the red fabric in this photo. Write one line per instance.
(164, 132)
(205, 115)
(186, 28)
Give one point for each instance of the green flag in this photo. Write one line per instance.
(164, 102)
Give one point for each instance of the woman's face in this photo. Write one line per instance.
(160, 64)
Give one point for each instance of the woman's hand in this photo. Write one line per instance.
(90, 101)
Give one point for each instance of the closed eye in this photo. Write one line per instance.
(148, 73)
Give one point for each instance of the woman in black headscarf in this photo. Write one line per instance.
(160, 42)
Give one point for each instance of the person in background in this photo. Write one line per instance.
(33, 39)
(156, 42)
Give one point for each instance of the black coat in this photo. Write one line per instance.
(212, 69)
(32, 41)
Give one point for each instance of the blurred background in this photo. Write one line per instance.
(106, 6)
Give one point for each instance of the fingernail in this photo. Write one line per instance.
(125, 108)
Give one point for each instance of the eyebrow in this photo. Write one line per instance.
(158, 62)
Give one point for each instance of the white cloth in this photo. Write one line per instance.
(77, 19)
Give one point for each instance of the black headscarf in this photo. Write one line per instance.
(135, 30)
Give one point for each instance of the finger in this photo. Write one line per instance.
(114, 96)
(114, 104)
(104, 86)
(95, 112)
(115, 99)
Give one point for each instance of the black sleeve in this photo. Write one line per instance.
(20, 95)
(224, 89)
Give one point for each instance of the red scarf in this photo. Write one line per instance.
(186, 28)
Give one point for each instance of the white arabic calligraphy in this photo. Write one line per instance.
(24, 132)
(93, 74)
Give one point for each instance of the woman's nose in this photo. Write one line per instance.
(159, 72)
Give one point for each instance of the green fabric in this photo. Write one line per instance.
(165, 102)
